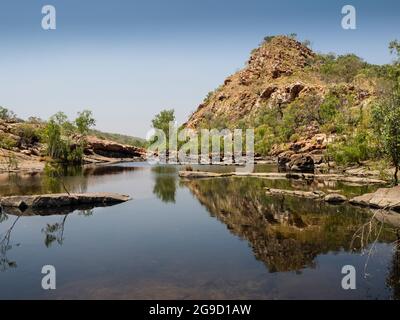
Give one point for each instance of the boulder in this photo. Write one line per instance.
(335, 198)
(284, 158)
(300, 162)
(383, 198)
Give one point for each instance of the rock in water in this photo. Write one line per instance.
(335, 198)
(62, 200)
(383, 198)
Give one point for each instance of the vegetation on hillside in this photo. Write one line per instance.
(120, 138)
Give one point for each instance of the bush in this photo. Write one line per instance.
(341, 69)
(60, 136)
(28, 133)
(354, 149)
(328, 109)
(6, 114)
(7, 142)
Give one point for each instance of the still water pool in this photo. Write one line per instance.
(217, 238)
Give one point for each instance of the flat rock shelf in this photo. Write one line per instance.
(62, 200)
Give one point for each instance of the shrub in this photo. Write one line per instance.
(328, 109)
(6, 114)
(28, 133)
(341, 69)
(354, 149)
(6, 141)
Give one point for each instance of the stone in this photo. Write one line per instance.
(383, 198)
(296, 193)
(335, 198)
(284, 158)
(26, 152)
(300, 162)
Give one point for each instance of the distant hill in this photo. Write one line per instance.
(120, 138)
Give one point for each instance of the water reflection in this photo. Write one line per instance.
(286, 234)
(165, 181)
(163, 248)
(5, 244)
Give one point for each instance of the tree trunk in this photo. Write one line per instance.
(396, 180)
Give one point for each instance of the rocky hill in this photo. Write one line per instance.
(283, 92)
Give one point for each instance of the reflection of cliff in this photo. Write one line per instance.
(286, 234)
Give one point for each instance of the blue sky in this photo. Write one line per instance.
(127, 60)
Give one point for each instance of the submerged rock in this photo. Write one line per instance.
(62, 200)
(316, 195)
(297, 193)
(202, 174)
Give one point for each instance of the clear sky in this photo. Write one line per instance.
(128, 59)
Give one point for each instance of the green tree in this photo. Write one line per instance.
(161, 121)
(6, 114)
(386, 114)
(60, 136)
(85, 121)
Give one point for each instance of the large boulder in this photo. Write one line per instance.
(284, 158)
(383, 198)
(301, 163)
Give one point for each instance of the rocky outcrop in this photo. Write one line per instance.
(302, 154)
(61, 200)
(282, 175)
(383, 198)
(111, 149)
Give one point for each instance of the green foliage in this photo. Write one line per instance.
(386, 113)
(268, 39)
(354, 149)
(29, 134)
(85, 121)
(161, 120)
(120, 138)
(60, 136)
(341, 69)
(6, 142)
(6, 114)
(328, 110)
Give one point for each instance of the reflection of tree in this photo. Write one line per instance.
(393, 280)
(5, 245)
(55, 232)
(165, 183)
(287, 234)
